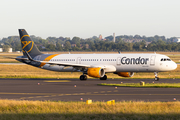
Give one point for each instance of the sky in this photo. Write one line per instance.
(87, 18)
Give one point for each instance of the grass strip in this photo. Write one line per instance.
(10, 62)
(46, 110)
(147, 85)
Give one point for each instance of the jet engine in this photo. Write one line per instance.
(125, 74)
(96, 72)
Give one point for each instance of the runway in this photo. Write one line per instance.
(76, 90)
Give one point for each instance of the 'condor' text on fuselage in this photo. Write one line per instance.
(137, 61)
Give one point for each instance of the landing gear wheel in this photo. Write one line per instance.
(104, 77)
(83, 77)
(156, 78)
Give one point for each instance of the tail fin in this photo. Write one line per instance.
(27, 44)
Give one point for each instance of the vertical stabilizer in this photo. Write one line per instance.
(27, 44)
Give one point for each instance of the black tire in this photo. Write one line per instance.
(104, 77)
(83, 77)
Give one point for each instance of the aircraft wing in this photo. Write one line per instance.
(107, 68)
(64, 64)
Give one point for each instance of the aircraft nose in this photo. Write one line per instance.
(174, 66)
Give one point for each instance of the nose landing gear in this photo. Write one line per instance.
(156, 76)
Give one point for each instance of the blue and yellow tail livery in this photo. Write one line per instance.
(27, 44)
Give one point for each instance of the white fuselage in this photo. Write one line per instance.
(114, 62)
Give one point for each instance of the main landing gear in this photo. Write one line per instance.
(104, 77)
(83, 77)
(156, 76)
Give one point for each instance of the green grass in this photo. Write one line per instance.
(147, 85)
(47, 110)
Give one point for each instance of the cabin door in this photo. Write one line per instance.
(78, 60)
(118, 61)
(152, 61)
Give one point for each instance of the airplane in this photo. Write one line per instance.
(94, 65)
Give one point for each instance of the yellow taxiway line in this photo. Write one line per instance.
(57, 81)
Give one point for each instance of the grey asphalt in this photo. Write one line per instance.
(76, 90)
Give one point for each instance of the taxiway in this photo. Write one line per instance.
(76, 90)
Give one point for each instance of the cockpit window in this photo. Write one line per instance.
(168, 59)
(165, 59)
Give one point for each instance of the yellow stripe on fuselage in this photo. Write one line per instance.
(48, 59)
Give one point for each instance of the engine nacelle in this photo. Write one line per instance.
(125, 74)
(96, 72)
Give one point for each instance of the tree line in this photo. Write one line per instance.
(122, 43)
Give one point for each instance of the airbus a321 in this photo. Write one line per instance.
(94, 65)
